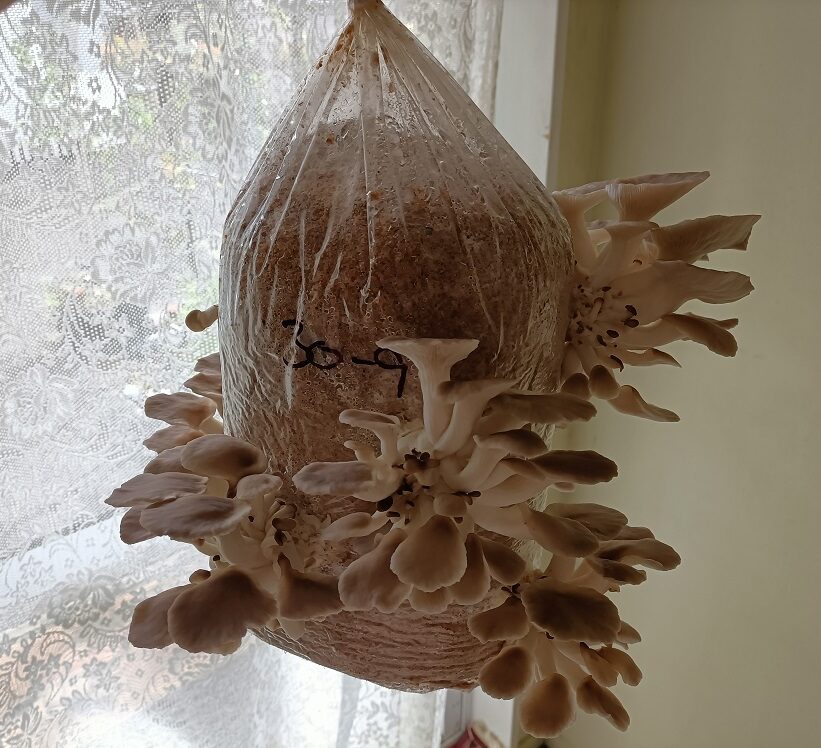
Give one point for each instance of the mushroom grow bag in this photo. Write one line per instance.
(384, 203)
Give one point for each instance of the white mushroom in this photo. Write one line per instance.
(223, 456)
(171, 436)
(148, 487)
(433, 358)
(180, 408)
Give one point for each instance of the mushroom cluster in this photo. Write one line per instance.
(452, 495)
(212, 490)
(632, 275)
(470, 465)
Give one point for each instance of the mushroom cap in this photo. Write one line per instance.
(193, 516)
(629, 401)
(149, 622)
(577, 385)
(171, 436)
(603, 521)
(504, 564)
(547, 708)
(560, 535)
(368, 582)
(206, 616)
(602, 383)
(595, 699)
(431, 352)
(167, 461)
(333, 478)
(623, 664)
(615, 571)
(259, 484)
(473, 587)
(148, 487)
(223, 456)
(180, 408)
(640, 198)
(453, 391)
(206, 384)
(556, 408)
(517, 442)
(430, 602)
(431, 557)
(367, 419)
(647, 552)
(505, 622)
(131, 531)
(306, 595)
(198, 320)
(507, 674)
(694, 239)
(567, 611)
(627, 634)
(354, 525)
(210, 364)
(599, 668)
(584, 467)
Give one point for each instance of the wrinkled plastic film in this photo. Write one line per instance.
(384, 203)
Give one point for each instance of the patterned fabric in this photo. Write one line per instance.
(126, 129)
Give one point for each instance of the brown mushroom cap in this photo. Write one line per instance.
(584, 467)
(306, 595)
(507, 674)
(629, 401)
(472, 588)
(149, 622)
(615, 571)
(567, 611)
(599, 668)
(223, 456)
(198, 320)
(603, 521)
(623, 664)
(333, 478)
(547, 708)
(560, 535)
(368, 582)
(504, 564)
(194, 516)
(433, 556)
(430, 602)
(557, 408)
(180, 408)
(148, 487)
(206, 616)
(594, 699)
(517, 442)
(506, 622)
(647, 552)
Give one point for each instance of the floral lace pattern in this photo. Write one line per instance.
(126, 130)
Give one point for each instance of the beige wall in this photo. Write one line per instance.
(732, 653)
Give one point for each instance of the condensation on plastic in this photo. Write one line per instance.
(384, 203)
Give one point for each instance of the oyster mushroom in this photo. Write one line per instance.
(205, 617)
(505, 622)
(595, 699)
(171, 436)
(180, 409)
(306, 595)
(149, 621)
(149, 487)
(547, 707)
(190, 517)
(473, 587)
(561, 535)
(368, 582)
(507, 674)
(433, 358)
(433, 556)
(222, 456)
(198, 320)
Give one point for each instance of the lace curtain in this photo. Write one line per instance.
(126, 129)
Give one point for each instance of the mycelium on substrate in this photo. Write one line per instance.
(445, 508)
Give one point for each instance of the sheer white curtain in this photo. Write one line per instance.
(126, 128)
